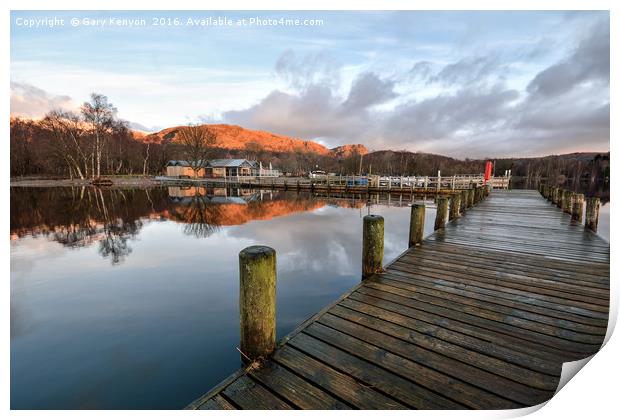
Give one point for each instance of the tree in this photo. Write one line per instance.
(254, 150)
(21, 151)
(197, 143)
(66, 131)
(99, 114)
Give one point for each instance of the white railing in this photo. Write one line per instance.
(374, 182)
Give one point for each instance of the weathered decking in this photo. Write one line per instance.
(481, 315)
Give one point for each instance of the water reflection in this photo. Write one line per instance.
(159, 326)
(81, 217)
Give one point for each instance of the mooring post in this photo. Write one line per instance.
(475, 193)
(560, 198)
(593, 205)
(554, 195)
(455, 206)
(577, 212)
(442, 212)
(257, 302)
(567, 201)
(470, 198)
(372, 245)
(464, 196)
(416, 224)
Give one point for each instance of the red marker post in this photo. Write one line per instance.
(487, 172)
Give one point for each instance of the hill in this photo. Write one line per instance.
(233, 137)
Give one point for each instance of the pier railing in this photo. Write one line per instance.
(353, 183)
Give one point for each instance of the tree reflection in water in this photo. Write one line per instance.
(79, 217)
(198, 213)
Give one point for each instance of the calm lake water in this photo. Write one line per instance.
(129, 298)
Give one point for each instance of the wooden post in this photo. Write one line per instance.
(416, 224)
(554, 195)
(470, 198)
(464, 195)
(372, 246)
(257, 301)
(593, 205)
(577, 211)
(560, 197)
(567, 201)
(442, 212)
(455, 206)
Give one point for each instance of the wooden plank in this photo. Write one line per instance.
(579, 307)
(531, 347)
(339, 384)
(499, 327)
(357, 337)
(578, 288)
(490, 312)
(217, 403)
(248, 394)
(295, 389)
(407, 392)
(401, 327)
(482, 291)
(506, 306)
(587, 304)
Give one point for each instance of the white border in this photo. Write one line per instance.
(591, 395)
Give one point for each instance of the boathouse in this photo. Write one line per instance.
(219, 168)
(183, 169)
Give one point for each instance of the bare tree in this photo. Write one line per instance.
(99, 114)
(197, 142)
(66, 132)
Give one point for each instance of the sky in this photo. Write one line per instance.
(462, 84)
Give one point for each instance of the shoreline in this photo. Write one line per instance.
(124, 181)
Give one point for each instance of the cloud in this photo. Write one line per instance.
(318, 68)
(316, 112)
(314, 108)
(137, 126)
(368, 90)
(31, 102)
(468, 108)
(589, 62)
(443, 116)
(469, 70)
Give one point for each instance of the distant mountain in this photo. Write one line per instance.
(233, 137)
(343, 152)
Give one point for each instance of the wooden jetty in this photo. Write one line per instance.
(352, 184)
(480, 315)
